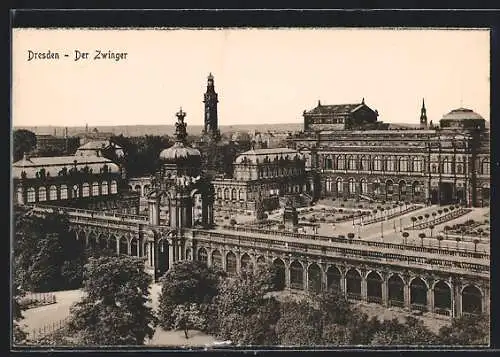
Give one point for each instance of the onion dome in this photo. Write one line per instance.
(180, 152)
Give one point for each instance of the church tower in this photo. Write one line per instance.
(423, 116)
(210, 99)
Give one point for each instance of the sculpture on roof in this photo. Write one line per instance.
(180, 127)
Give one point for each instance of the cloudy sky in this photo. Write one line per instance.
(261, 75)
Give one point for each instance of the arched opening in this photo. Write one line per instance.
(314, 278)
(134, 247)
(163, 258)
(279, 266)
(31, 195)
(389, 188)
(296, 275)
(231, 264)
(396, 291)
(103, 245)
(374, 287)
(402, 190)
(352, 186)
(137, 188)
(418, 294)
(42, 194)
(340, 185)
(53, 193)
(353, 279)
(92, 243)
(188, 254)
(203, 255)
(333, 277)
(123, 246)
(104, 188)
(363, 187)
(246, 262)
(217, 259)
(442, 296)
(472, 300)
(233, 194)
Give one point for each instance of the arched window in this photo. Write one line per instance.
(53, 193)
(403, 164)
(390, 164)
(377, 164)
(64, 192)
(340, 162)
(95, 189)
(31, 195)
(328, 185)
(226, 193)
(202, 255)
(104, 188)
(434, 168)
(364, 163)
(340, 185)
(328, 163)
(364, 186)
(352, 186)
(76, 191)
(389, 187)
(85, 190)
(447, 166)
(352, 163)
(114, 187)
(219, 193)
(460, 169)
(376, 186)
(233, 194)
(19, 192)
(231, 263)
(241, 195)
(42, 194)
(417, 165)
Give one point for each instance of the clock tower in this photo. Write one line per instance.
(210, 99)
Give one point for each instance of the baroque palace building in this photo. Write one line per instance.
(88, 181)
(350, 154)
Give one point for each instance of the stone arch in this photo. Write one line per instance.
(333, 278)
(374, 287)
(314, 277)
(280, 267)
(246, 261)
(217, 259)
(202, 255)
(296, 275)
(418, 291)
(472, 300)
(134, 247)
(396, 290)
(124, 243)
(442, 295)
(353, 284)
(231, 266)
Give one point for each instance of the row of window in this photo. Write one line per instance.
(362, 187)
(51, 194)
(274, 172)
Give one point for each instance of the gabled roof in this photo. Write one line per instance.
(337, 109)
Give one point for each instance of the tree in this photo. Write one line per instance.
(232, 222)
(413, 220)
(188, 317)
(18, 335)
(114, 309)
(476, 242)
(299, 324)
(186, 282)
(24, 141)
(405, 237)
(440, 238)
(466, 330)
(422, 236)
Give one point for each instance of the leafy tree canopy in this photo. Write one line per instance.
(24, 141)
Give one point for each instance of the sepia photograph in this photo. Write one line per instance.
(214, 188)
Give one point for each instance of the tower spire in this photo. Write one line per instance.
(423, 115)
(210, 98)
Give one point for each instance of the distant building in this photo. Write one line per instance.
(440, 165)
(104, 148)
(88, 182)
(93, 135)
(48, 144)
(340, 117)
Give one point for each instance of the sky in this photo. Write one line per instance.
(261, 75)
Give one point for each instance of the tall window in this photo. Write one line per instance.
(376, 187)
(104, 188)
(352, 186)
(447, 166)
(64, 192)
(364, 186)
(76, 191)
(226, 193)
(377, 164)
(95, 189)
(328, 163)
(85, 190)
(219, 193)
(340, 185)
(403, 164)
(42, 194)
(434, 168)
(233, 194)
(460, 169)
(340, 163)
(417, 165)
(114, 187)
(352, 163)
(19, 193)
(53, 193)
(328, 185)
(485, 167)
(31, 195)
(365, 163)
(390, 164)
